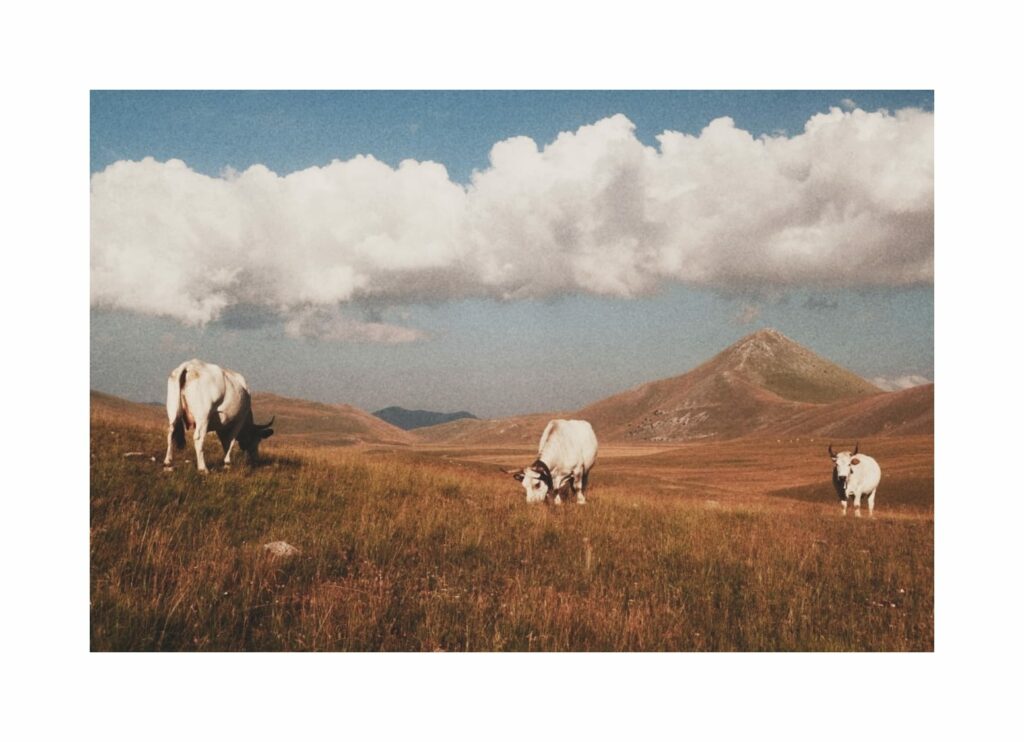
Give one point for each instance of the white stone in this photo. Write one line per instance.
(280, 548)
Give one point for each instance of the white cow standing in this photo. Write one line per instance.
(853, 475)
(566, 453)
(206, 397)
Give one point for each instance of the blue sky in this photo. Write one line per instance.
(292, 130)
(549, 346)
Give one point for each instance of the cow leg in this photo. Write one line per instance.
(843, 503)
(579, 479)
(227, 440)
(871, 502)
(198, 436)
(170, 444)
(565, 484)
(856, 504)
(227, 453)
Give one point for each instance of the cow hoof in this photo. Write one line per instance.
(580, 501)
(168, 467)
(558, 499)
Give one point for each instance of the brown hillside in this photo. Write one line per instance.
(754, 385)
(296, 420)
(108, 408)
(327, 424)
(520, 430)
(906, 412)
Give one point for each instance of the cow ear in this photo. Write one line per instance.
(854, 461)
(519, 476)
(266, 433)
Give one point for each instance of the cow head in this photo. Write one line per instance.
(843, 464)
(536, 480)
(251, 435)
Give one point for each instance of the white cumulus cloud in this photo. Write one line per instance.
(847, 202)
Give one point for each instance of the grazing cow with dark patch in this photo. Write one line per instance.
(205, 397)
(566, 454)
(853, 475)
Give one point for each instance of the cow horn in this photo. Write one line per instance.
(267, 425)
(517, 474)
(856, 447)
(830, 451)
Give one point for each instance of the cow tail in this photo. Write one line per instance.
(175, 413)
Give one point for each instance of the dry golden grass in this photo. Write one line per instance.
(735, 546)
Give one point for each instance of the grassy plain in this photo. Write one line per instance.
(716, 546)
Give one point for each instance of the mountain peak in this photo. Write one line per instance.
(761, 348)
(767, 336)
(781, 365)
(765, 333)
(754, 384)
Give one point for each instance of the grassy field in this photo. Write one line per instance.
(702, 547)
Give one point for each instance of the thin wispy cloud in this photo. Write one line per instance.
(897, 383)
(848, 202)
(329, 324)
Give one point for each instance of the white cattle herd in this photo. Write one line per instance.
(203, 397)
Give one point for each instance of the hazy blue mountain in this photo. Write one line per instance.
(410, 419)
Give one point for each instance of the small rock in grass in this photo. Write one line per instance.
(280, 548)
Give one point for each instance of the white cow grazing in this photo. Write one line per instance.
(207, 398)
(567, 452)
(854, 475)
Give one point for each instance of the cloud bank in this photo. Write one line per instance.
(846, 203)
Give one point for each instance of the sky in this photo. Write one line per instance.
(504, 252)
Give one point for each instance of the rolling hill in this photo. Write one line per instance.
(108, 408)
(506, 431)
(327, 424)
(297, 420)
(906, 412)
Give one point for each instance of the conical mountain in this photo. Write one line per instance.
(752, 385)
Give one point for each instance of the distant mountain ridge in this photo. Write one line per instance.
(412, 419)
(765, 384)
